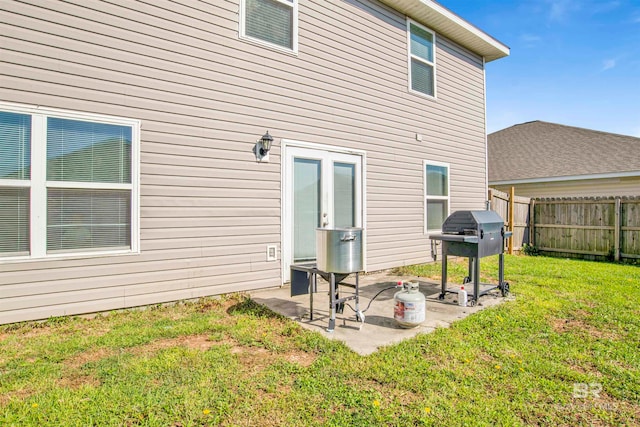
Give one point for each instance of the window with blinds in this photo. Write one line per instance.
(271, 21)
(69, 178)
(85, 152)
(421, 59)
(15, 175)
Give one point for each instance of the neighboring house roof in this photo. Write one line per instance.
(543, 152)
(447, 23)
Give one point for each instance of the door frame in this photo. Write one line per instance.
(285, 223)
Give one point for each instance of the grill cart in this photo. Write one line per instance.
(474, 235)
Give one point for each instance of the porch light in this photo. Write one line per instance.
(265, 144)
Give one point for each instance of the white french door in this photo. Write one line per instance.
(322, 188)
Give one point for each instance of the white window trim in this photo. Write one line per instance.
(427, 197)
(243, 36)
(39, 184)
(411, 56)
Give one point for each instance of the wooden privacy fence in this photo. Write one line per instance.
(588, 227)
(515, 211)
(601, 227)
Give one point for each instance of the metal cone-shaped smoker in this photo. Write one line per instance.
(338, 254)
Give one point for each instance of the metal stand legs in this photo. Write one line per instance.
(335, 301)
(332, 302)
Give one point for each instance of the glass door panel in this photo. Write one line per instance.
(344, 194)
(307, 206)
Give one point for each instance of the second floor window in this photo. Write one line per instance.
(422, 63)
(274, 22)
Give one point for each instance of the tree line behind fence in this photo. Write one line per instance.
(592, 228)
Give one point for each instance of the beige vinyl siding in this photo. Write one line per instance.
(204, 96)
(601, 187)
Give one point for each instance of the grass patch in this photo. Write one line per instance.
(563, 352)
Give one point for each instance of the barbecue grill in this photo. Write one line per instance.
(474, 235)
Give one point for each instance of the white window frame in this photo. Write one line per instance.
(411, 56)
(38, 182)
(242, 31)
(427, 197)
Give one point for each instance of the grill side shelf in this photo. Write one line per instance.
(454, 237)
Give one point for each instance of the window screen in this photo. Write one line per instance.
(15, 146)
(271, 21)
(437, 180)
(422, 59)
(79, 151)
(15, 172)
(14, 221)
(88, 219)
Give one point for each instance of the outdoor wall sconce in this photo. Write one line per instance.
(263, 145)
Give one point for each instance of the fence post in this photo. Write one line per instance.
(512, 196)
(532, 221)
(616, 230)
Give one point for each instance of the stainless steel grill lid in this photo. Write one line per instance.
(466, 229)
(472, 222)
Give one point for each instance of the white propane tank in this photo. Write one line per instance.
(409, 309)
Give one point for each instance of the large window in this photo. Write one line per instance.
(274, 22)
(422, 62)
(68, 183)
(436, 186)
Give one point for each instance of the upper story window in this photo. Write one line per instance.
(68, 183)
(422, 62)
(436, 189)
(272, 22)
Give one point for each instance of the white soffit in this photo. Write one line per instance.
(440, 19)
(567, 178)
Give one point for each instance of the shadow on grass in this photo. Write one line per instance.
(249, 307)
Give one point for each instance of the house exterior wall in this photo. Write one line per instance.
(603, 187)
(203, 96)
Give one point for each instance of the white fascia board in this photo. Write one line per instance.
(567, 178)
(445, 22)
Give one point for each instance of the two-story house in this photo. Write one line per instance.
(131, 171)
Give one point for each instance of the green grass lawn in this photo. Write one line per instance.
(565, 351)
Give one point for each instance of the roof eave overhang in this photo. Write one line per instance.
(628, 174)
(450, 25)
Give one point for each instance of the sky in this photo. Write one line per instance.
(572, 62)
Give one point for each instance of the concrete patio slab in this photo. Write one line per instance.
(379, 328)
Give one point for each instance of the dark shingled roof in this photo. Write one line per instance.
(539, 149)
